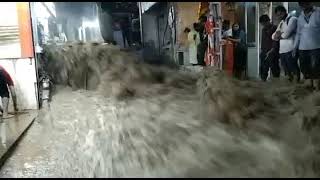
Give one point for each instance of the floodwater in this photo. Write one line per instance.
(84, 134)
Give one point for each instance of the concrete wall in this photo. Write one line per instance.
(23, 74)
(264, 7)
(105, 20)
(71, 26)
(154, 23)
(187, 14)
(227, 14)
(150, 35)
(72, 15)
(234, 15)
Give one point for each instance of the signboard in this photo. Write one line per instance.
(15, 30)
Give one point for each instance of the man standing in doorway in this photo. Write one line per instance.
(202, 47)
(193, 42)
(307, 41)
(286, 33)
(269, 56)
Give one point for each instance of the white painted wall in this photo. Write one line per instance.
(12, 49)
(12, 18)
(23, 73)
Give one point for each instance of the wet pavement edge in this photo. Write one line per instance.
(4, 156)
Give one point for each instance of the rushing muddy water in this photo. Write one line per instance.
(147, 121)
(85, 134)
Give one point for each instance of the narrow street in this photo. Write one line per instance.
(159, 89)
(39, 153)
(31, 157)
(87, 135)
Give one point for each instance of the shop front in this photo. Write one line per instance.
(158, 31)
(246, 14)
(269, 8)
(17, 51)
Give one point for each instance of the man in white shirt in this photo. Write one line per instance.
(307, 41)
(193, 41)
(286, 33)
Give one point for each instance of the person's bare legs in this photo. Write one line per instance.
(14, 97)
(5, 104)
(1, 110)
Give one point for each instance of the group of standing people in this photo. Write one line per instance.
(292, 40)
(198, 44)
(295, 41)
(197, 41)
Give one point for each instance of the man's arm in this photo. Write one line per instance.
(292, 27)
(298, 35)
(234, 40)
(275, 36)
(275, 44)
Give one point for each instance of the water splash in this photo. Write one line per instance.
(146, 138)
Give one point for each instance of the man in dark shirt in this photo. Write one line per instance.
(269, 56)
(5, 83)
(202, 47)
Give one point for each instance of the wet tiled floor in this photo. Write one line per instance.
(35, 155)
(31, 158)
(12, 128)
